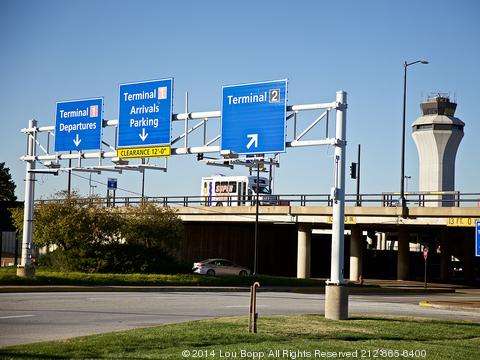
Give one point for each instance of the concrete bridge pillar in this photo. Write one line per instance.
(403, 266)
(356, 253)
(445, 257)
(468, 256)
(379, 241)
(383, 240)
(372, 239)
(303, 251)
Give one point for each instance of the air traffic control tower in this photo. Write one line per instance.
(437, 134)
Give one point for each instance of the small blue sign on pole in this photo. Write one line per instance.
(253, 117)
(145, 113)
(477, 238)
(112, 184)
(78, 125)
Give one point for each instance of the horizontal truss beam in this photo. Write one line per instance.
(206, 148)
(199, 115)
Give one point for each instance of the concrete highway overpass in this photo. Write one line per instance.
(379, 242)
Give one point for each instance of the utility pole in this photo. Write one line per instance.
(69, 186)
(143, 180)
(25, 269)
(91, 190)
(359, 203)
(256, 220)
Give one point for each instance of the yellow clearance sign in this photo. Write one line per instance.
(143, 152)
(349, 220)
(458, 221)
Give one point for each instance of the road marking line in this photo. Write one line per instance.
(16, 316)
(244, 306)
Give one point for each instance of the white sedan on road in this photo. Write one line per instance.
(214, 267)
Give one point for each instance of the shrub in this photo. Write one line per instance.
(92, 238)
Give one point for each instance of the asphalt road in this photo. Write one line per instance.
(33, 317)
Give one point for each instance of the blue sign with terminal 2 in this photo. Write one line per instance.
(78, 125)
(145, 113)
(253, 117)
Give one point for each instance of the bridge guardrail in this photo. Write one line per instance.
(386, 199)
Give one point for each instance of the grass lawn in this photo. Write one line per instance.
(45, 277)
(295, 337)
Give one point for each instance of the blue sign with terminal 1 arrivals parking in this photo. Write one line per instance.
(78, 125)
(145, 113)
(253, 117)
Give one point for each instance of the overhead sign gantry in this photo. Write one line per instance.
(253, 123)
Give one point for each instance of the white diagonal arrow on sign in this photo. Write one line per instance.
(253, 140)
(143, 135)
(77, 140)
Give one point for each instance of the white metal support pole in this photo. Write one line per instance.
(186, 120)
(25, 269)
(338, 225)
(336, 297)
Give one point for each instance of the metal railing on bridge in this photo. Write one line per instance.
(387, 199)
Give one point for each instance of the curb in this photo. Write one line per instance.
(354, 290)
(425, 304)
(458, 306)
(108, 288)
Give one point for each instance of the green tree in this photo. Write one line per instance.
(92, 238)
(74, 223)
(17, 218)
(78, 228)
(7, 186)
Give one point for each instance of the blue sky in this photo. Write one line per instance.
(61, 50)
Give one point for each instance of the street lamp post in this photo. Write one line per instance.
(402, 175)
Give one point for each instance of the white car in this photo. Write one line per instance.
(214, 267)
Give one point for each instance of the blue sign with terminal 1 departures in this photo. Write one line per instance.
(253, 117)
(145, 113)
(78, 125)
